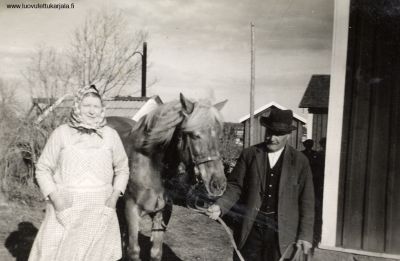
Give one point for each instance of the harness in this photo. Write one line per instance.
(196, 161)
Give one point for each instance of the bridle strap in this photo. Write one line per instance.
(201, 160)
(198, 161)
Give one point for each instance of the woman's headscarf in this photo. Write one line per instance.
(76, 120)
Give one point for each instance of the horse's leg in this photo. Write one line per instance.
(123, 227)
(160, 223)
(157, 236)
(167, 212)
(132, 213)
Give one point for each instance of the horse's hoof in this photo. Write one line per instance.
(133, 256)
(156, 256)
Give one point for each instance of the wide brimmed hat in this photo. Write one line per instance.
(279, 121)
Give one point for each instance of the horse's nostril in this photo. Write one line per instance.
(223, 187)
(215, 184)
(218, 184)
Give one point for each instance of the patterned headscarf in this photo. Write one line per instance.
(76, 120)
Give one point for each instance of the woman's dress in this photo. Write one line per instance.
(84, 168)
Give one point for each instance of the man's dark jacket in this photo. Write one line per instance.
(295, 197)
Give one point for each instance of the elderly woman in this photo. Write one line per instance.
(82, 171)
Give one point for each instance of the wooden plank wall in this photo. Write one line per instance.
(320, 123)
(369, 213)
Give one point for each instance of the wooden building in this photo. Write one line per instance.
(259, 131)
(123, 106)
(361, 212)
(316, 99)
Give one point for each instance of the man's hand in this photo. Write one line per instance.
(214, 211)
(111, 202)
(304, 245)
(59, 201)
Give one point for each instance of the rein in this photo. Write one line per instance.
(196, 161)
(227, 230)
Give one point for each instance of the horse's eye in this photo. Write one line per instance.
(195, 135)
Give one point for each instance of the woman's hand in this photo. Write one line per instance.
(111, 202)
(59, 201)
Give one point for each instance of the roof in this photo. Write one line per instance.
(317, 92)
(266, 106)
(123, 106)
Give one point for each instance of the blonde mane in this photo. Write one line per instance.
(157, 128)
(204, 115)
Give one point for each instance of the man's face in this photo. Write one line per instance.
(275, 141)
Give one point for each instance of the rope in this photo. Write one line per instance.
(294, 252)
(228, 231)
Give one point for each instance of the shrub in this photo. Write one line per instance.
(22, 152)
(230, 147)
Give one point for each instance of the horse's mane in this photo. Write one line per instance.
(157, 127)
(204, 115)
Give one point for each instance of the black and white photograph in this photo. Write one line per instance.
(209, 130)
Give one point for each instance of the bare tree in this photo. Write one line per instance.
(9, 107)
(102, 52)
(49, 73)
(9, 122)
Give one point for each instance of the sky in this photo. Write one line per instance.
(200, 48)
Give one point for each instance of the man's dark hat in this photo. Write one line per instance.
(279, 121)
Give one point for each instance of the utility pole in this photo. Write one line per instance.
(144, 68)
(252, 83)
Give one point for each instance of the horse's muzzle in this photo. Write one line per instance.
(217, 185)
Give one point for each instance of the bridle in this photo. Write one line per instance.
(194, 160)
(197, 160)
(201, 159)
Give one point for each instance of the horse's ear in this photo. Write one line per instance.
(220, 105)
(187, 105)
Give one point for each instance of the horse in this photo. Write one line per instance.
(171, 150)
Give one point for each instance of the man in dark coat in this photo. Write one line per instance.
(271, 191)
(310, 153)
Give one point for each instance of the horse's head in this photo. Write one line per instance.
(201, 132)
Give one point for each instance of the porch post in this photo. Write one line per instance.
(335, 122)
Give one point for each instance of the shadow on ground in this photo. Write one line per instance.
(19, 243)
(145, 247)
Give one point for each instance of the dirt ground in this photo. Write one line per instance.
(190, 235)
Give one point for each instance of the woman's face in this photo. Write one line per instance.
(90, 109)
